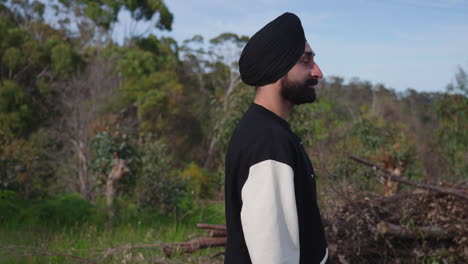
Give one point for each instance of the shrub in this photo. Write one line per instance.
(65, 211)
(8, 205)
(159, 188)
(200, 182)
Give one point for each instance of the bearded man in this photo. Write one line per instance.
(272, 215)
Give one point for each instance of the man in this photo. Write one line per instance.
(272, 215)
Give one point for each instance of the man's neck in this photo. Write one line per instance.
(271, 99)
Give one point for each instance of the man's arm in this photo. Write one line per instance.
(269, 214)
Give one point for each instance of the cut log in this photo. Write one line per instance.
(212, 227)
(385, 228)
(217, 233)
(194, 245)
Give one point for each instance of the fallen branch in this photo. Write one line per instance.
(214, 230)
(390, 176)
(194, 245)
(217, 233)
(385, 228)
(212, 227)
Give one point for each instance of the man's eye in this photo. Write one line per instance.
(306, 61)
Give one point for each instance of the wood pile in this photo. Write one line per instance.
(410, 227)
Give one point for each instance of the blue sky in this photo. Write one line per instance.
(401, 43)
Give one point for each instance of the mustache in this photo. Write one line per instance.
(312, 81)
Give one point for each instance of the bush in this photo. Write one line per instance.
(65, 211)
(160, 188)
(8, 205)
(200, 182)
(377, 140)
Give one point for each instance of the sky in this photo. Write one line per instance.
(402, 44)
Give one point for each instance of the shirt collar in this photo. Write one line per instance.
(272, 115)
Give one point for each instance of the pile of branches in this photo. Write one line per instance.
(428, 224)
(409, 227)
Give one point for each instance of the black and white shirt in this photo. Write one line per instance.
(272, 215)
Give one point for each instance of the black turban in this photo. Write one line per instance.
(272, 51)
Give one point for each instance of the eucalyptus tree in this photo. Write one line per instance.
(214, 68)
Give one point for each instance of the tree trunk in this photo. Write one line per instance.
(83, 172)
(209, 156)
(119, 169)
(234, 80)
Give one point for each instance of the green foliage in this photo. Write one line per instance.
(229, 114)
(373, 138)
(65, 60)
(315, 122)
(104, 148)
(68, 210)
(160, 104)
(16, 156)
(25, 166)
(160, 188)
(201, 184)
(197, 212)
(12, 58)
(151, 83)
(23, 55)
(8, 205)
(163, 50)
(452, 134)
(17, 115)
(29, 51)
(136, 63)
(144, 56)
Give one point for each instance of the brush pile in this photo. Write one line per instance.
(417, 226)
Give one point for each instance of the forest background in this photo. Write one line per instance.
(103, 144)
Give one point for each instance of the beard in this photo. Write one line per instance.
(298, 92)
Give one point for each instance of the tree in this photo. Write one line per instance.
(81, 100)
(215, 69)
(452, 133)
(96, 19)
(151, 85)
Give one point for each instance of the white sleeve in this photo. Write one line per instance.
(269, 214)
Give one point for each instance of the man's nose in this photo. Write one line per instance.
(316, 72)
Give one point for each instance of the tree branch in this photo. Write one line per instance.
(390, 176)
(385, 228)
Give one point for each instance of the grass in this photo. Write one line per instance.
(29, 241)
